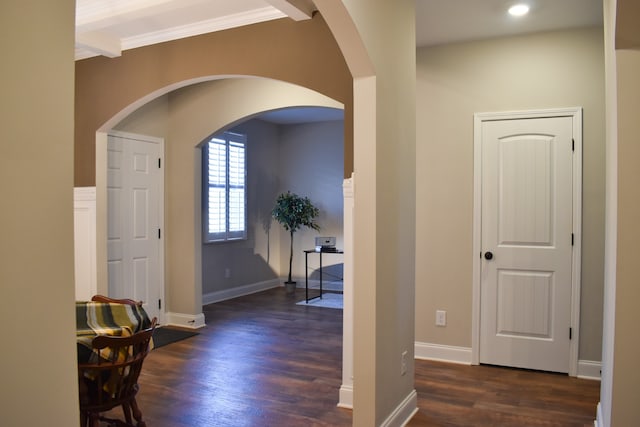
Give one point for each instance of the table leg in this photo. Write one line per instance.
(306, 277)
(320, 274)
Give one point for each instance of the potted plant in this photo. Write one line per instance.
(293, 212)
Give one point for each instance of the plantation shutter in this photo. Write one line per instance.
(224, 188)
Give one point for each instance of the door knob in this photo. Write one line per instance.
(488, 256)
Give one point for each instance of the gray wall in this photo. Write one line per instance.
(310, 164)
(306, 159)
(249, 261)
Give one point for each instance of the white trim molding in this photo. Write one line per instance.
(403, 412)
(87, 194)
(192, 321)
(589, 369)
(345, 398)
(599, 417)
(611, 216)
(85, 249)
(443, 353)
(479, 118)
(225, 294)
(202, 27)
(93, 25)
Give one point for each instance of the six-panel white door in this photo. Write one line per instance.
(526, 241)
(134, 182)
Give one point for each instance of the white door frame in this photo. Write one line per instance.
(478, 119)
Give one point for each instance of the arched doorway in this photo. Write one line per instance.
(383, 123)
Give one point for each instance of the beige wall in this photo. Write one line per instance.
(152, 119)
(38, 361)
(384, 205)
(108, 89)
(190, 115)
(625, 410)
(627, 35)
(53, 282)
(383, 318)
(548, 70)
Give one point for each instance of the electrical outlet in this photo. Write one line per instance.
(441, 318)
(403, 363)
(227, 273)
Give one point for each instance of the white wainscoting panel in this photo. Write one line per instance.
(84, 233)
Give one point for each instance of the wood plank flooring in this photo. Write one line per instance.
(462, 395)
(263, 361)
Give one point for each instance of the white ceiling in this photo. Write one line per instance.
(447, 21)
(108, 27)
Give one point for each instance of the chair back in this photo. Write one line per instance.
(105, 299)
(113, 379)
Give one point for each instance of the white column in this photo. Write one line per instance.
(346, 390)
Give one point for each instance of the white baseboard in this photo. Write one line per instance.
(403, 412)
(589, 369)
(193, 321)
(239, 291)
(599, 422)
(345, 400)
(443, 353)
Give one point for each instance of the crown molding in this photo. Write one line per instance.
(189, 30)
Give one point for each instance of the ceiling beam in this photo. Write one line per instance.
(298, 10)
(91, 15)
(100, 43)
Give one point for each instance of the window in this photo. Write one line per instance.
(224, 192)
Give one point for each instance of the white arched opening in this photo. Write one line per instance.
(190, 115)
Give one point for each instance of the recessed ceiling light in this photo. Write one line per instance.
(519, 10)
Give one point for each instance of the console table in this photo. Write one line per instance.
(306, 269)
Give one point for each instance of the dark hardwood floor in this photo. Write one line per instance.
(462, 395)
(264, 361)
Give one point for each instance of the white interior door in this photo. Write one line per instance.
(526, 243)
(134, 225)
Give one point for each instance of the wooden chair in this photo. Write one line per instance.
(112, 380)
(102, 298)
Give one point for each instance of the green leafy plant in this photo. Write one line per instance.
(293, 212)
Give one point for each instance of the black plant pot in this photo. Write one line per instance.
(290, 287)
